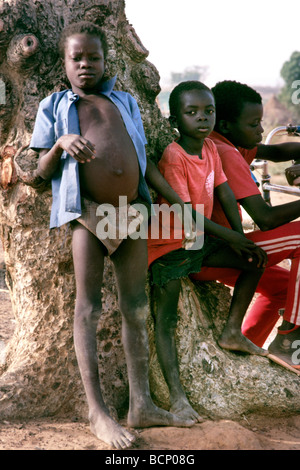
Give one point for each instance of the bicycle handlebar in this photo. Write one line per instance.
(290, 129)
(293, 129)
(266, 186)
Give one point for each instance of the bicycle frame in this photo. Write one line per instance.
(266, 185)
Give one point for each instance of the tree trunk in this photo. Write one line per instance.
(40, 375)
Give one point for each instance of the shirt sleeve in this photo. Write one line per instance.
(43, 136)
(172, 169)
(238, 174)
(249, 155)
(220, 176)
(136, 117)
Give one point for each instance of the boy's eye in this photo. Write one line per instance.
(92, 59)
(255, 124)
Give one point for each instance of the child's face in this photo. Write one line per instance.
(84, 62)
(196, 114)
(247, 131)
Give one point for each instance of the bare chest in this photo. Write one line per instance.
(115, 167)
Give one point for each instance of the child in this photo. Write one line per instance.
(193, 168)
(237, 136)
(92, 145)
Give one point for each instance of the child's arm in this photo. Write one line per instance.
(279, 152)
(239, 243)
(235, 236)
(161, 186)
(227, 199)
(75, 145)
(268, 217)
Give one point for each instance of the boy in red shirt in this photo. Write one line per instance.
(238, 135)
(192, 168)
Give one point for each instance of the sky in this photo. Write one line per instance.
(247, 41)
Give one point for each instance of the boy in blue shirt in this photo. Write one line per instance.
(91, 145)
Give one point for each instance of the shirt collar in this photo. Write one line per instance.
(219, 137)
(105, 88)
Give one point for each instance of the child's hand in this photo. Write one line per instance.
(247, 248)
(292, 174)
(190, 238)
(78, 147)
(260, 255)
(190, 235)
(189, 226)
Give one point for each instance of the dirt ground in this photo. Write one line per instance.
(250, 433)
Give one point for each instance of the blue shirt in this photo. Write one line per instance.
(57, 115)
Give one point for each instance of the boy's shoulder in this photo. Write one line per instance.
(124, 97)
(54, 98)
(122, 93)
(173, 150)
(209, 144)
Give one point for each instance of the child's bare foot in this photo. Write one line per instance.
(234, 340)
(145, 417)
(110, 432)
(285, 343)
(182, 408)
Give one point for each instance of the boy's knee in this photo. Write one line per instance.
(135, 309)
(253, 268)
(88, 311)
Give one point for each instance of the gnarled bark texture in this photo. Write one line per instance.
(40, 376)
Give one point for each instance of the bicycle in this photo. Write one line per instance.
(257, 164)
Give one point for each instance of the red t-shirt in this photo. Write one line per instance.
(235, 163)
(194, 180)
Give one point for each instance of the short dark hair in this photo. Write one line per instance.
(182, 88)
(82, 27)
(230, 97)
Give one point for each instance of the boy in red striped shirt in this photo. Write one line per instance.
(238, 135)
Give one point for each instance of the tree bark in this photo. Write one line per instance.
(40, 375)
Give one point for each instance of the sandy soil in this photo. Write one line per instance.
(250, 433)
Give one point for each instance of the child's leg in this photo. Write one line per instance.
(284, 243)
(88, 257)
(272, 294)
(130, 261)
(232, 337)
(287, 340)
(166, 303)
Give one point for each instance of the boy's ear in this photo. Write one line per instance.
(224, 126)
(173, 121)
